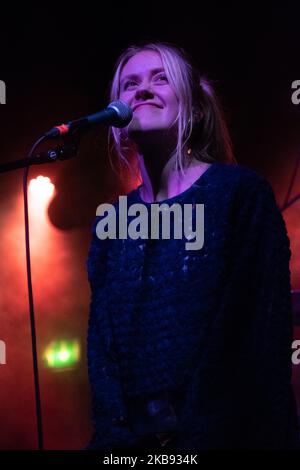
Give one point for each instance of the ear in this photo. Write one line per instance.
(197, 115)
(197, 128)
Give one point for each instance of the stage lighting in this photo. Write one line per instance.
(41, 188)
(62, 354)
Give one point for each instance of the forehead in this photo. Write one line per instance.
(142, 62)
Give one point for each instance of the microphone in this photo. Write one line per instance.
(117, 114)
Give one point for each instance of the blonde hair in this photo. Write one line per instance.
(201, 127)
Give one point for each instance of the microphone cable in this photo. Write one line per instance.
(31, 304)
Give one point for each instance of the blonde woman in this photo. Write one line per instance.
(189, 349)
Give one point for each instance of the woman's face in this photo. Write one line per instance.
(144, 86)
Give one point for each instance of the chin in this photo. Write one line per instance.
(145, 126)
(146, 132)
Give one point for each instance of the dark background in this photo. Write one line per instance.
(57, 63)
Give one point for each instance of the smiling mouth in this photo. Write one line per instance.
(147, 104)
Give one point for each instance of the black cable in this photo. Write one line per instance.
(31, 306)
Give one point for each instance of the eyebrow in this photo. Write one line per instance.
(134, 76)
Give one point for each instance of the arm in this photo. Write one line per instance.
(240, 392)
(108, 410)
(262, 270)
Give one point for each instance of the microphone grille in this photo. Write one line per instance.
(124, 113)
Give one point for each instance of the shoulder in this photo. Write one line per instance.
(255, 203)
(239, 174)
(244, 182)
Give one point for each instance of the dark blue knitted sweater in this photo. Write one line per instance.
(212, 328)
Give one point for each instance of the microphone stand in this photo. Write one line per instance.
(68, 150)
(62, 152)
(288, 202)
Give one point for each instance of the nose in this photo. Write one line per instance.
(144, 92)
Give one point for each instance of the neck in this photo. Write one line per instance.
(160, 178)
(155, 171)
(156, 162)
(156, 157)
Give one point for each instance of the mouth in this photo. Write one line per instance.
(147, 104)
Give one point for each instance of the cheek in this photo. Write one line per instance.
(124, 96)
(172, 100)
(173, 106)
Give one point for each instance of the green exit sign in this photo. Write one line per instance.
(62, 354)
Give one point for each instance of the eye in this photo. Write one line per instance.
(129, 84)
(162, 78)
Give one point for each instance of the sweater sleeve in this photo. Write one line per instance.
(108, 410)
(260, 281)
(242, 383)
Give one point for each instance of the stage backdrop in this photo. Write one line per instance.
(56, 65)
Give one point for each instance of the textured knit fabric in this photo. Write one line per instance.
(212, 328)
